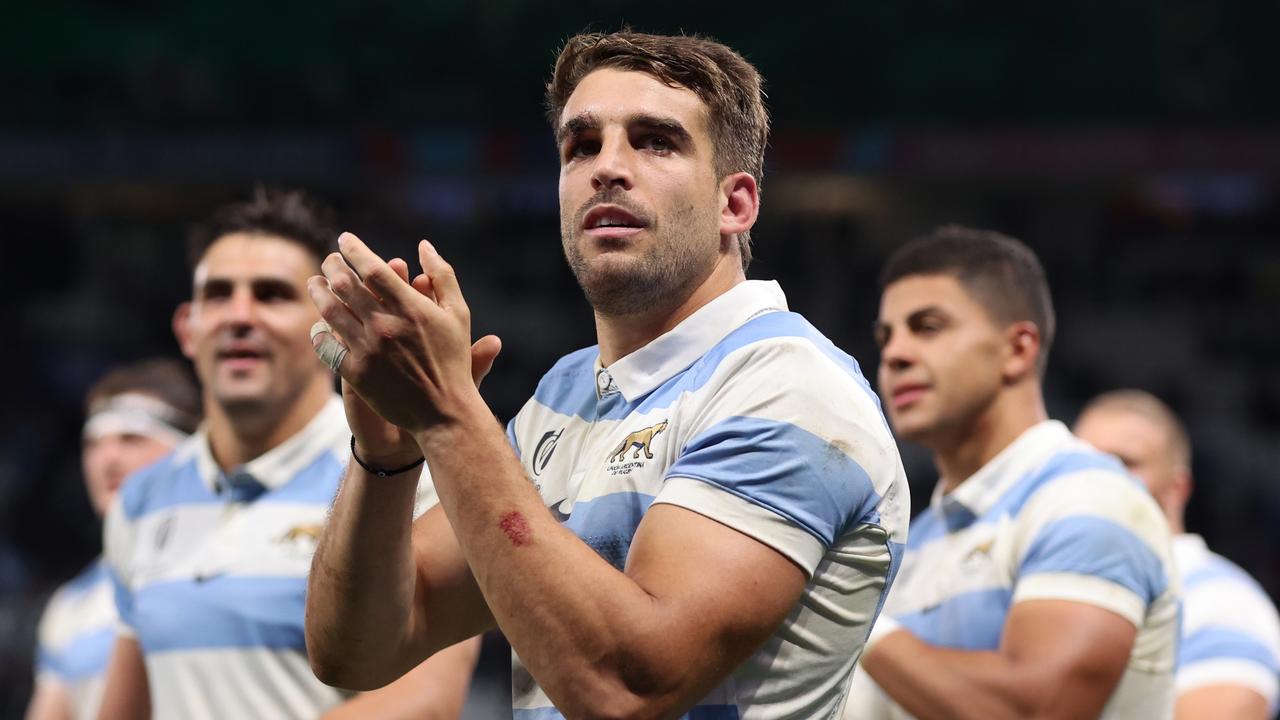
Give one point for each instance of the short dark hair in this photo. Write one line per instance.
(288, 214)
(1001, 273)
(731, 88)
(164, 379)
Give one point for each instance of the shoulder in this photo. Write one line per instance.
(148, 485)
(568, 387)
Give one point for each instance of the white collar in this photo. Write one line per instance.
(281, 463)
(984, 488)
(648, 367)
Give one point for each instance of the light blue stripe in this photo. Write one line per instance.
(1065, 463)
(969, 621)
(569, 388)
(608, 523)
(84, 657)
(164, 485)
(222, 612)
(1090, 545)
(783, 468)
(88, 579)
(1218, 569)
(316, 484)
(930, 526)
(1216, 643)
(699, 712)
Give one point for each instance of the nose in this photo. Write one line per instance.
(897, 355)
(242, 308)
(613, 164)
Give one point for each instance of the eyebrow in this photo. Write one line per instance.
(582, 122)
(257, 284)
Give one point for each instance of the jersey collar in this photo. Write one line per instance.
(280, 464)
(981, 490)
(648, 367)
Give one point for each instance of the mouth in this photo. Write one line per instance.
(612, 222)
(907, 394)
(240, 357)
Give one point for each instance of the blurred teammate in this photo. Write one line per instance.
(1038, 582)
(135, 415)
(725, 498)
(1229, 657)
(209, 548)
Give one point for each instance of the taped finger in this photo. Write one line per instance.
(330, 351)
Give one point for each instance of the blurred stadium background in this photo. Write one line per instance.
(1134, 145)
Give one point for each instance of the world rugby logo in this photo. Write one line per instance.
(542, 452)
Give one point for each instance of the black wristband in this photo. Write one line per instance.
(379, 471)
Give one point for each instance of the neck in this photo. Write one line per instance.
(1013, 412)
(621, 335)
(238, 435)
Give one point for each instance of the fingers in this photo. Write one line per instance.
(346, 285)
(443, 280)
(401, 268)
(328, 348)
(334, 311)
(483, 353)
(376, 274)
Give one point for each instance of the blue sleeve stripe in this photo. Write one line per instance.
(84, 657)
(233, 612)
(784, 468)
(1215, 643)
(968, 621)
(1096, 546)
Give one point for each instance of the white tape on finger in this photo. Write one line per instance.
(330, 351)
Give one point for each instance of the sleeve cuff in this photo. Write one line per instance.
(750, 519)
(1086, 589)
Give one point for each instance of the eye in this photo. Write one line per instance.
(657, 143)
(582, 148)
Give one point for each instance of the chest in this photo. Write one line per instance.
(599, 477)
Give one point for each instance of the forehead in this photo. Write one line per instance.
(249, 255)
(913, 293)
(613, 95)
(1120, 430)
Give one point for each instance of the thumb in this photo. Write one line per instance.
(483, 353)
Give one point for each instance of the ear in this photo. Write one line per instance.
(739, 203)
(182, 329)
(1181, 488)
(1022, 344)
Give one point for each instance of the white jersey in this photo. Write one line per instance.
(75, 638)
(1230, 632)
(746, 414)
(1048, 518)
(211, 573)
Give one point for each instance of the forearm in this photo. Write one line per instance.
(590, 635)
(360, 593)
(435, 690)
(934, 683)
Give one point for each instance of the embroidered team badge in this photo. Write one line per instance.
(641, 441)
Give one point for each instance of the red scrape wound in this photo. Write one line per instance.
(516, 528)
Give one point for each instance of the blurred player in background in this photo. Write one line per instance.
(1039, 581)
(1229, 657)
(701, 514)
(209, 548)
(136, 414)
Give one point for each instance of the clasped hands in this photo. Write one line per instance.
(411, 367)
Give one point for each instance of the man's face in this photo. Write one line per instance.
(941, 357)
(1140, 443)
(109, 458)
(639, 196)
(247, 330)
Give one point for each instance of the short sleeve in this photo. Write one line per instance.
(117, 540)
(1093, 537)
(783, 448)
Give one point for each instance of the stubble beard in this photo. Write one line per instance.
(678, 258)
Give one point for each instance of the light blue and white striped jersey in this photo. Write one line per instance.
(75, 637)
(1048, 518)
(211, 573)
(746, 414)
(1230, 632)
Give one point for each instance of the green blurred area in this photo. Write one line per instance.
(236, 63)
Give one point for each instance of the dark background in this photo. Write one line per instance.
(1134, 145)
